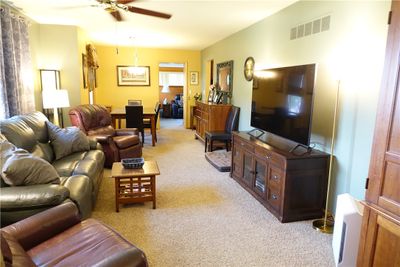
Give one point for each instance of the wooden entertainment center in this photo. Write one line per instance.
(291, 185)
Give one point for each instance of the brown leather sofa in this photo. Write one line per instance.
(95, 121)
(57, 237)
(80, 172)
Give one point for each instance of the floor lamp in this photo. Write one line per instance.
(55, 99)
(324, 225)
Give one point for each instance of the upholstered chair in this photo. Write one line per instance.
(147, 122)
(95, 122)
(232, 123)
(134, 118)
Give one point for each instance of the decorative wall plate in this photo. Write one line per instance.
(249, 68)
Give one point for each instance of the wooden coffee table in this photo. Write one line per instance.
(135, 185)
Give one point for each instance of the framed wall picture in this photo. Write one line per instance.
(194, 78)
(84, 71)
(133, 75)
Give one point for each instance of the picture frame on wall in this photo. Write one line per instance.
(133, 75)
(194, 78)
(84, 71)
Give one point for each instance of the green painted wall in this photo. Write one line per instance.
(351, 51)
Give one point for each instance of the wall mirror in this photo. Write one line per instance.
(225, 78)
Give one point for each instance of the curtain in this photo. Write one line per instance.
(16, 80)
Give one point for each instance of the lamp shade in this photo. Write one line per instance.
(165, 89)
(55, 98)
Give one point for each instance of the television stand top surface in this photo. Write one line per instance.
(281, 145)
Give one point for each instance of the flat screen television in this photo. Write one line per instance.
(282, 101)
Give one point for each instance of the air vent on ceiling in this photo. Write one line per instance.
(311, 27)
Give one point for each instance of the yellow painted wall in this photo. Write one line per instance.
(109, 93)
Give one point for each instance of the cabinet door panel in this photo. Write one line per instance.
(248, 172)
(237, 163)
(385, 156)
(261, 171)
(382, 241)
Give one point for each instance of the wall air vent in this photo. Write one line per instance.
(311, 27)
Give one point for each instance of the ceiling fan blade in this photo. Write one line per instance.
(148, 12)
(124, 2)
(116, 14)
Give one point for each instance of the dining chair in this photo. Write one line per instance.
(134, 102)
(231, 124)
(134, 118)
(147, 122)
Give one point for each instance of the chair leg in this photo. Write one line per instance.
(205, 144)
(143, 138)
(211, 145)
(227, 145)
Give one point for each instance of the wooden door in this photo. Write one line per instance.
(380, 232)
(384, 172)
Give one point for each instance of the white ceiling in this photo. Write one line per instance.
(194, 25)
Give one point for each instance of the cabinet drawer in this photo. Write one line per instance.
(197, 112)
(275, 177)
(244, 145)
(270, 157)
(274, 198)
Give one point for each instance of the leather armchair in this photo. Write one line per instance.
(57, 237)
(95, 122)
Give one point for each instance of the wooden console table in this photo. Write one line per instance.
(292, 186)
(135, 185)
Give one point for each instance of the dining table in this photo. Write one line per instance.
(118, 114)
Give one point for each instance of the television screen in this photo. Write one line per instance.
(282, 101)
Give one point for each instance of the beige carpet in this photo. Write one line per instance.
(204, 218)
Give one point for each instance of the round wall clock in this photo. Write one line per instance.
(249, 68)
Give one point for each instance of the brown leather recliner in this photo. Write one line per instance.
(57, 237)
(95, 121)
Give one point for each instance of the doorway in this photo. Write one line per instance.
(172, 85)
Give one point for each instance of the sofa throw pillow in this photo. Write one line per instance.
(66, 141)
(22, 168)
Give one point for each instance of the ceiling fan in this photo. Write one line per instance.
(113, 7)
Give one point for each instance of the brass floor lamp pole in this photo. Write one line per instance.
(324, 225)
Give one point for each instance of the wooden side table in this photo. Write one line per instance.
(135, 185)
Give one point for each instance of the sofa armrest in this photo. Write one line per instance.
(80, 192)
(129, 257)
(32, 196)
(42, 226)
(127, 131)
(93, 143)
(102, 139)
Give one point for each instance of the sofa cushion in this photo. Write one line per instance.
(67, 165)
(67, 141)
(44, 151)
(124, 141)
(18, 132)
(37, 122)
(18, 167)
(32, 196)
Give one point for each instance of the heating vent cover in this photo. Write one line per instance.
(311, 27)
